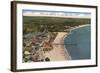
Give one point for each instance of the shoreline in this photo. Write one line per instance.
(80, 26)
(59, 51)
(74, 28)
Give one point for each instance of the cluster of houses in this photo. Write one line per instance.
(34, 50)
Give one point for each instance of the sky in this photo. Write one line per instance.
(56, 13)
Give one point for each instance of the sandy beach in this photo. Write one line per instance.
(79, 26)
(58, 53)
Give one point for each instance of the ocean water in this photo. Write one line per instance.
(78, 43)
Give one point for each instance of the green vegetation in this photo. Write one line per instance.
(52, 24)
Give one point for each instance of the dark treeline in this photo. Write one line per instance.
(52, 24)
